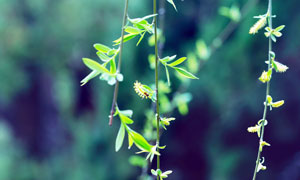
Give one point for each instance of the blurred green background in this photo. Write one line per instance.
(51, 128)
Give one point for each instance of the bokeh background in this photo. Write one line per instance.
(51, 128)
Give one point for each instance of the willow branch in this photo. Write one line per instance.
(116, 91)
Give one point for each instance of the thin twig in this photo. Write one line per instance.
(116, 91)
(267, 94)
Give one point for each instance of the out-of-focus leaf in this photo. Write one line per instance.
(120, 138)
(185, 73)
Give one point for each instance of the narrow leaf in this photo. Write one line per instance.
(101, 47)
(130, 141)
(89, 77)
(142, 36)
(279, 28)
(132, 30)
(140, 141)
(171, 2)
(102, 56)
(93, 65)
(113, 68)
(125, 119)
(127, 37)
(120, 138)
(177, 62)
(168, 75)
(185, 73)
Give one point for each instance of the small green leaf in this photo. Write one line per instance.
(89, 77)
(132, 30)
(171, 2)
(93, 65)
(130, 141)
(125, 119)
(102, 56)
(279, 28)
(177, 62)
(113, 68)
(185, 73)
(168, 75)
(142, 36)
(127, 113)
(101, 47)
(273, 38)
(277, 34)
(127, 37)
(139, 141)
(120, 138)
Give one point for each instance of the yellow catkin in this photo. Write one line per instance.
(258, 25)
(138, 87)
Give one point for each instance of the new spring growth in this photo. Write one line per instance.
(162, 175)
(144, 91)
(257, 127)
(273, 104)
(259, 24)
(279, 67)
(166, 122)
(261, 166)
(274, 32)
(262, 144)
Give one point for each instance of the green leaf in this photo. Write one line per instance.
(133, 30)
(142, 36)
(127, 113)
(101, 47)
(125, 119)
(137, 161)
(130, 141)
(127, 37)
(120, 138)
(137, 20)
(139, 141)
(273, 38)
(113, 68)
(279, 28)
(178, 61)
(168, 75)
(102, 56)
(89, 77)
(277, 34)
(171, 2)
(185, 73)
(93, 65)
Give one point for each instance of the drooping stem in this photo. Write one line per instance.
(156, 83)
(267, 93)
(116, 91)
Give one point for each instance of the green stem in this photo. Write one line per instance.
(156, 84)
(267, 92)
(116, 91)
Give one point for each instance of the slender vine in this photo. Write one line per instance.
(116, 91)
(265, 77)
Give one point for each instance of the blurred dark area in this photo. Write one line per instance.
(51, 128)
